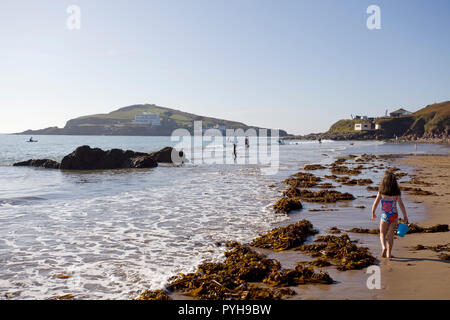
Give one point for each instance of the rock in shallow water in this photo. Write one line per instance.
(169, 155)
(42, 163)
(87, 158)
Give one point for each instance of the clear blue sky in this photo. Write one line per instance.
(296, 65)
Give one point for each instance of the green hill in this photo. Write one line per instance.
(345, 125)
(432, 120)
(121, 122)
(126, 115)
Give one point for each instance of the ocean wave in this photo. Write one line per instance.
(20, 201)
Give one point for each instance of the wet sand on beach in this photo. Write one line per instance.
(411, 274)
(420, 274)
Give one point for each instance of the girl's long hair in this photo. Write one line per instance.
(389, 185)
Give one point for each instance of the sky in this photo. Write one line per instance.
(295, 65)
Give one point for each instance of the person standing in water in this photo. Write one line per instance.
(234, 148)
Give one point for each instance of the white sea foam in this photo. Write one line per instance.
(115, 246)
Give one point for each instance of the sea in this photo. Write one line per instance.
(112, 234)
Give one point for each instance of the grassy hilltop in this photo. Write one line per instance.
(126, 115)
(431, 120)
(431, 123)
(121, 122)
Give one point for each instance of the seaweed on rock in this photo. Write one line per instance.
(400, 175)
(64, 297)
(343, 179)
(364, 182)
(302, 180)
(436, 248)
(347, 181)
(337, 169)
(154, 295)
(314, 167)
(442, 249)
(229, 280)
(338, 161)
(286, 237)
(286, 205)
(334, 230)
(417, 191)
(365, 158)
(297, 276)
(417, 181)
(291, 192)
(320, 262)
(414, 228)
(342, 250)
(326, 196)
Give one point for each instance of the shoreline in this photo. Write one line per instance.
(443, 141)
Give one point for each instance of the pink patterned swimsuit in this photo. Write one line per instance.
(389, 210)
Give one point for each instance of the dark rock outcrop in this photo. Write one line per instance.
(87, 158)
(340, 136)
(169, 155)
(42, 163)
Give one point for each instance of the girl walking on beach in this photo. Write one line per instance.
(389, 194)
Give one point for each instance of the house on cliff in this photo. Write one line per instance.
(400, 113)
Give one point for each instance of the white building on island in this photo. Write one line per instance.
(367, 126)
(147, 118)
(363, 126)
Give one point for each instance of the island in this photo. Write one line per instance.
(141, 120)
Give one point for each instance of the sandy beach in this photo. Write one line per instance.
(420, 274)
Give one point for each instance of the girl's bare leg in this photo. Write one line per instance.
(383, 232)
(390, 238)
